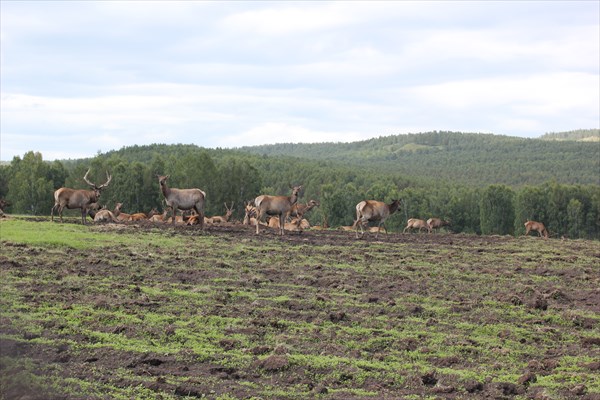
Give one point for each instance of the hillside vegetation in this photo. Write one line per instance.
(482, 183)
(464, 158)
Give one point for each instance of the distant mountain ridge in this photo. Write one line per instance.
(468, 158)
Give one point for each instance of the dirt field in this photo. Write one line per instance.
(152, 311)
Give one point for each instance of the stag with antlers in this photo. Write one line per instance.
(78, 198)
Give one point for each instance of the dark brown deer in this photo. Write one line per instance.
(183, 199)
(372, 210)
(276, 205)
(436, 223)
(78, 198)
(219, 219)
(414, 223)
(536, 226)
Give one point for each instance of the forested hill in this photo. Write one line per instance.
(468, 158)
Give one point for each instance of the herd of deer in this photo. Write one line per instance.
(285, 212)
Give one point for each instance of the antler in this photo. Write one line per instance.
(85, 178)
(109, 178)
(105, 184)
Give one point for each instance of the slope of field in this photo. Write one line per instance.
(146, 311)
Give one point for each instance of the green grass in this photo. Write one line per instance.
(355, 322)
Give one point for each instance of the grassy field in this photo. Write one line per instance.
(146, 311)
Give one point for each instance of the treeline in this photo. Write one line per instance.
(571, 210)
(464, 158)
(590, 135)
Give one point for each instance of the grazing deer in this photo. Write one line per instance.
(276, 205)
(105, 215)
(536, 226)
(372, 210)
(436, 223)
(183, 199)
(78, 198)
(219, 219)
(415, 223)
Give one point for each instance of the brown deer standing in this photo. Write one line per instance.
(536, 226)
(372, 210)
(78, 198)
(276, 205)
(415, 223)
(183, 199)
(436, 223)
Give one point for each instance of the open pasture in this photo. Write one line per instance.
(142, 311)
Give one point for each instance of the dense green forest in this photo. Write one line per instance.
(463, 158)
(484, 184)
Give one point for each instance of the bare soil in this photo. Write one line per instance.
(318, 314)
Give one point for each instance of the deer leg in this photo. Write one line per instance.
(258, 217)
(83, 215)
(201, 220)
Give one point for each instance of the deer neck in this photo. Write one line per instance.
(165, 189)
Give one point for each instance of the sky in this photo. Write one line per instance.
(80, 78)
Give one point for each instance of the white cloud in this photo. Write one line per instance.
(277, 132)
(227, 72)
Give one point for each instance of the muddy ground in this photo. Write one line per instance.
(232, 315)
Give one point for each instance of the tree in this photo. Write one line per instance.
(576, 217)
(497, 210)
(530, 204)
(30, 191)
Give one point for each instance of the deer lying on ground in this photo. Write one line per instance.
(78, 198)
(536, 226)
(159, 217)
(183, 199)
(436, 223)
(219, 219)
(121, 216)
(296, 224)
(372, 210)
(143, 216)
(276, 205)
(105, 215)
(93, 209)
(415, 223)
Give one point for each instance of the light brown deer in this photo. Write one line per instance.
(276, 205)
(159, 217)
(536, 226)
(220, 219)
(299, 210)
(436, 223)
(373, 210)
(183, 199)
(415, 223)
(121, 216)
(105, 215)
(78, 198)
